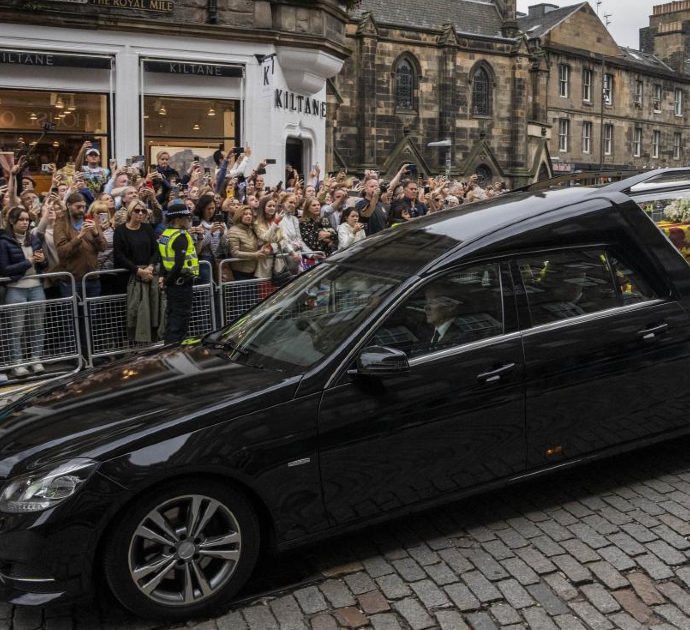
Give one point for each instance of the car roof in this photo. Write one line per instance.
(424, 243)
(659, 179)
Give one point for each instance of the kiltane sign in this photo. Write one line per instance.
(49, 60)
(291, 102)
(199, 69)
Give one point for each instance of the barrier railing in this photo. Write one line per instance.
(64, 328)
(41, 331)
(238, 296)
(107, 334)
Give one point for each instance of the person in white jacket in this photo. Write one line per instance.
(350, 230)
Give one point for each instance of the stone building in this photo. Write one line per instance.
(608, 106)
(423, 72)
(518, 96)
(137, 76)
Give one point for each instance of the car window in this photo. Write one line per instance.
(457, 308)
(296, 327)
(632, 286)
(561, 285)
(669, 206)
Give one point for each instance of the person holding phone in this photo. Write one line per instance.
(21, 258)
(350, 231)
(409, 207)
(271, 238)
(78, 240)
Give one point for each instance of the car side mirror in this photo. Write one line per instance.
(381, 361)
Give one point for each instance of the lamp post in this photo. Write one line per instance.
(447, 144)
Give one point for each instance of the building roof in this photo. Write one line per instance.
(474, 17)
(538, 26)
(645, 59)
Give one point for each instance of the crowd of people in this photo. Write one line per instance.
(95, 218)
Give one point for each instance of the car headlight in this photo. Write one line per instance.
(43, 489)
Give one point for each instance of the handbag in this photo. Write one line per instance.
(282, 276)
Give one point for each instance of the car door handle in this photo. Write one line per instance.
(651, 333)
(495, 375)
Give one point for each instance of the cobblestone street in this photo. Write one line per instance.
(604, 546)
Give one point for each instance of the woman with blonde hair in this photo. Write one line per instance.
(243, 244)
(271, 238)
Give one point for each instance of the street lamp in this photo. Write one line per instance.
(445, 144)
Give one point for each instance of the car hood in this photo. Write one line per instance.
(103, 412)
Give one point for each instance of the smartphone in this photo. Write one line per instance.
(217, 218)
(207, 170)
(238, 151)
(260, 171)
(175, 190)
(196, 221)
(196, 158)
(412, 170)
(270, 161)
(54, 190)
(138, 158)
(128, 161)
(153, 168)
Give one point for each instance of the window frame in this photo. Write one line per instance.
(587, 137)
(587, 76)
(658, 97)
(563, 80)
(677, 145)
(637, 142)
(481, 69)
(607, 89)
(563, 134)
(405, 61)
(678, 102)
(656, 143)
(608, 139)
(638, 95)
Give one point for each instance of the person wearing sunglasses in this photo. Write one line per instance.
(135, 249)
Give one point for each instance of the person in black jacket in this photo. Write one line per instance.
(134, 245)
(21, 257)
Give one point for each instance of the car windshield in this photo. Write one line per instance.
(296, 327)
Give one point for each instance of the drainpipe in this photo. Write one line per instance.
(212, 11)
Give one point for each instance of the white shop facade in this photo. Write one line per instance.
(136, 93)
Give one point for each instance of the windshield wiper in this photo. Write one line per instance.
(208, 342)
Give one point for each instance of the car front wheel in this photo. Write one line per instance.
(182, 550)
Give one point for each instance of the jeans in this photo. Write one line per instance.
(27, 320)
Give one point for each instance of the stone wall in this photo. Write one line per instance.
(370, 133)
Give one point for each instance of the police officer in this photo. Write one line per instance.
(180, 267)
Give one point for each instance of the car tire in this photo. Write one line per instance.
(181, 550)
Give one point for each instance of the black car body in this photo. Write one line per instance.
(329, 405)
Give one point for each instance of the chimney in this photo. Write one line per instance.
(508, 9)
(540, 10)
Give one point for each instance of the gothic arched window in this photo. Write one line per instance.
(404, 86)
(481, 93)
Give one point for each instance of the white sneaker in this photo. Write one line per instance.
(38, 368)
(20, 372)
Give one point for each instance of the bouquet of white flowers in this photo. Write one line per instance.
(678, 211)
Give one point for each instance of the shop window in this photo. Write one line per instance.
(405, 82)
(72, 116)
(185, 127)
(481, 92)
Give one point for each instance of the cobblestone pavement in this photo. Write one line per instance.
(599, 547)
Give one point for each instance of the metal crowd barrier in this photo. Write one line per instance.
(106, 317)
(44, 331)
(238, 296)
(55, 330)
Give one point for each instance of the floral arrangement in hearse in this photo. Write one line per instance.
(678, 211)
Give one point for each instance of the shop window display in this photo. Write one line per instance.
(73, 117)
(188, 127)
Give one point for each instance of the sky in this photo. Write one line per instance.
(627, 16)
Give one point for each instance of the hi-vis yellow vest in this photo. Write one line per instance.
(165, 242)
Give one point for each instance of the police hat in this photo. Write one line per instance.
(177, 208)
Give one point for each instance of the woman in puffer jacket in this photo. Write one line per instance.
(21, 258)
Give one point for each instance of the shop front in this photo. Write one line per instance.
(132, 95)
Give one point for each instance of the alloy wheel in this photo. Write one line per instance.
(185, 550)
